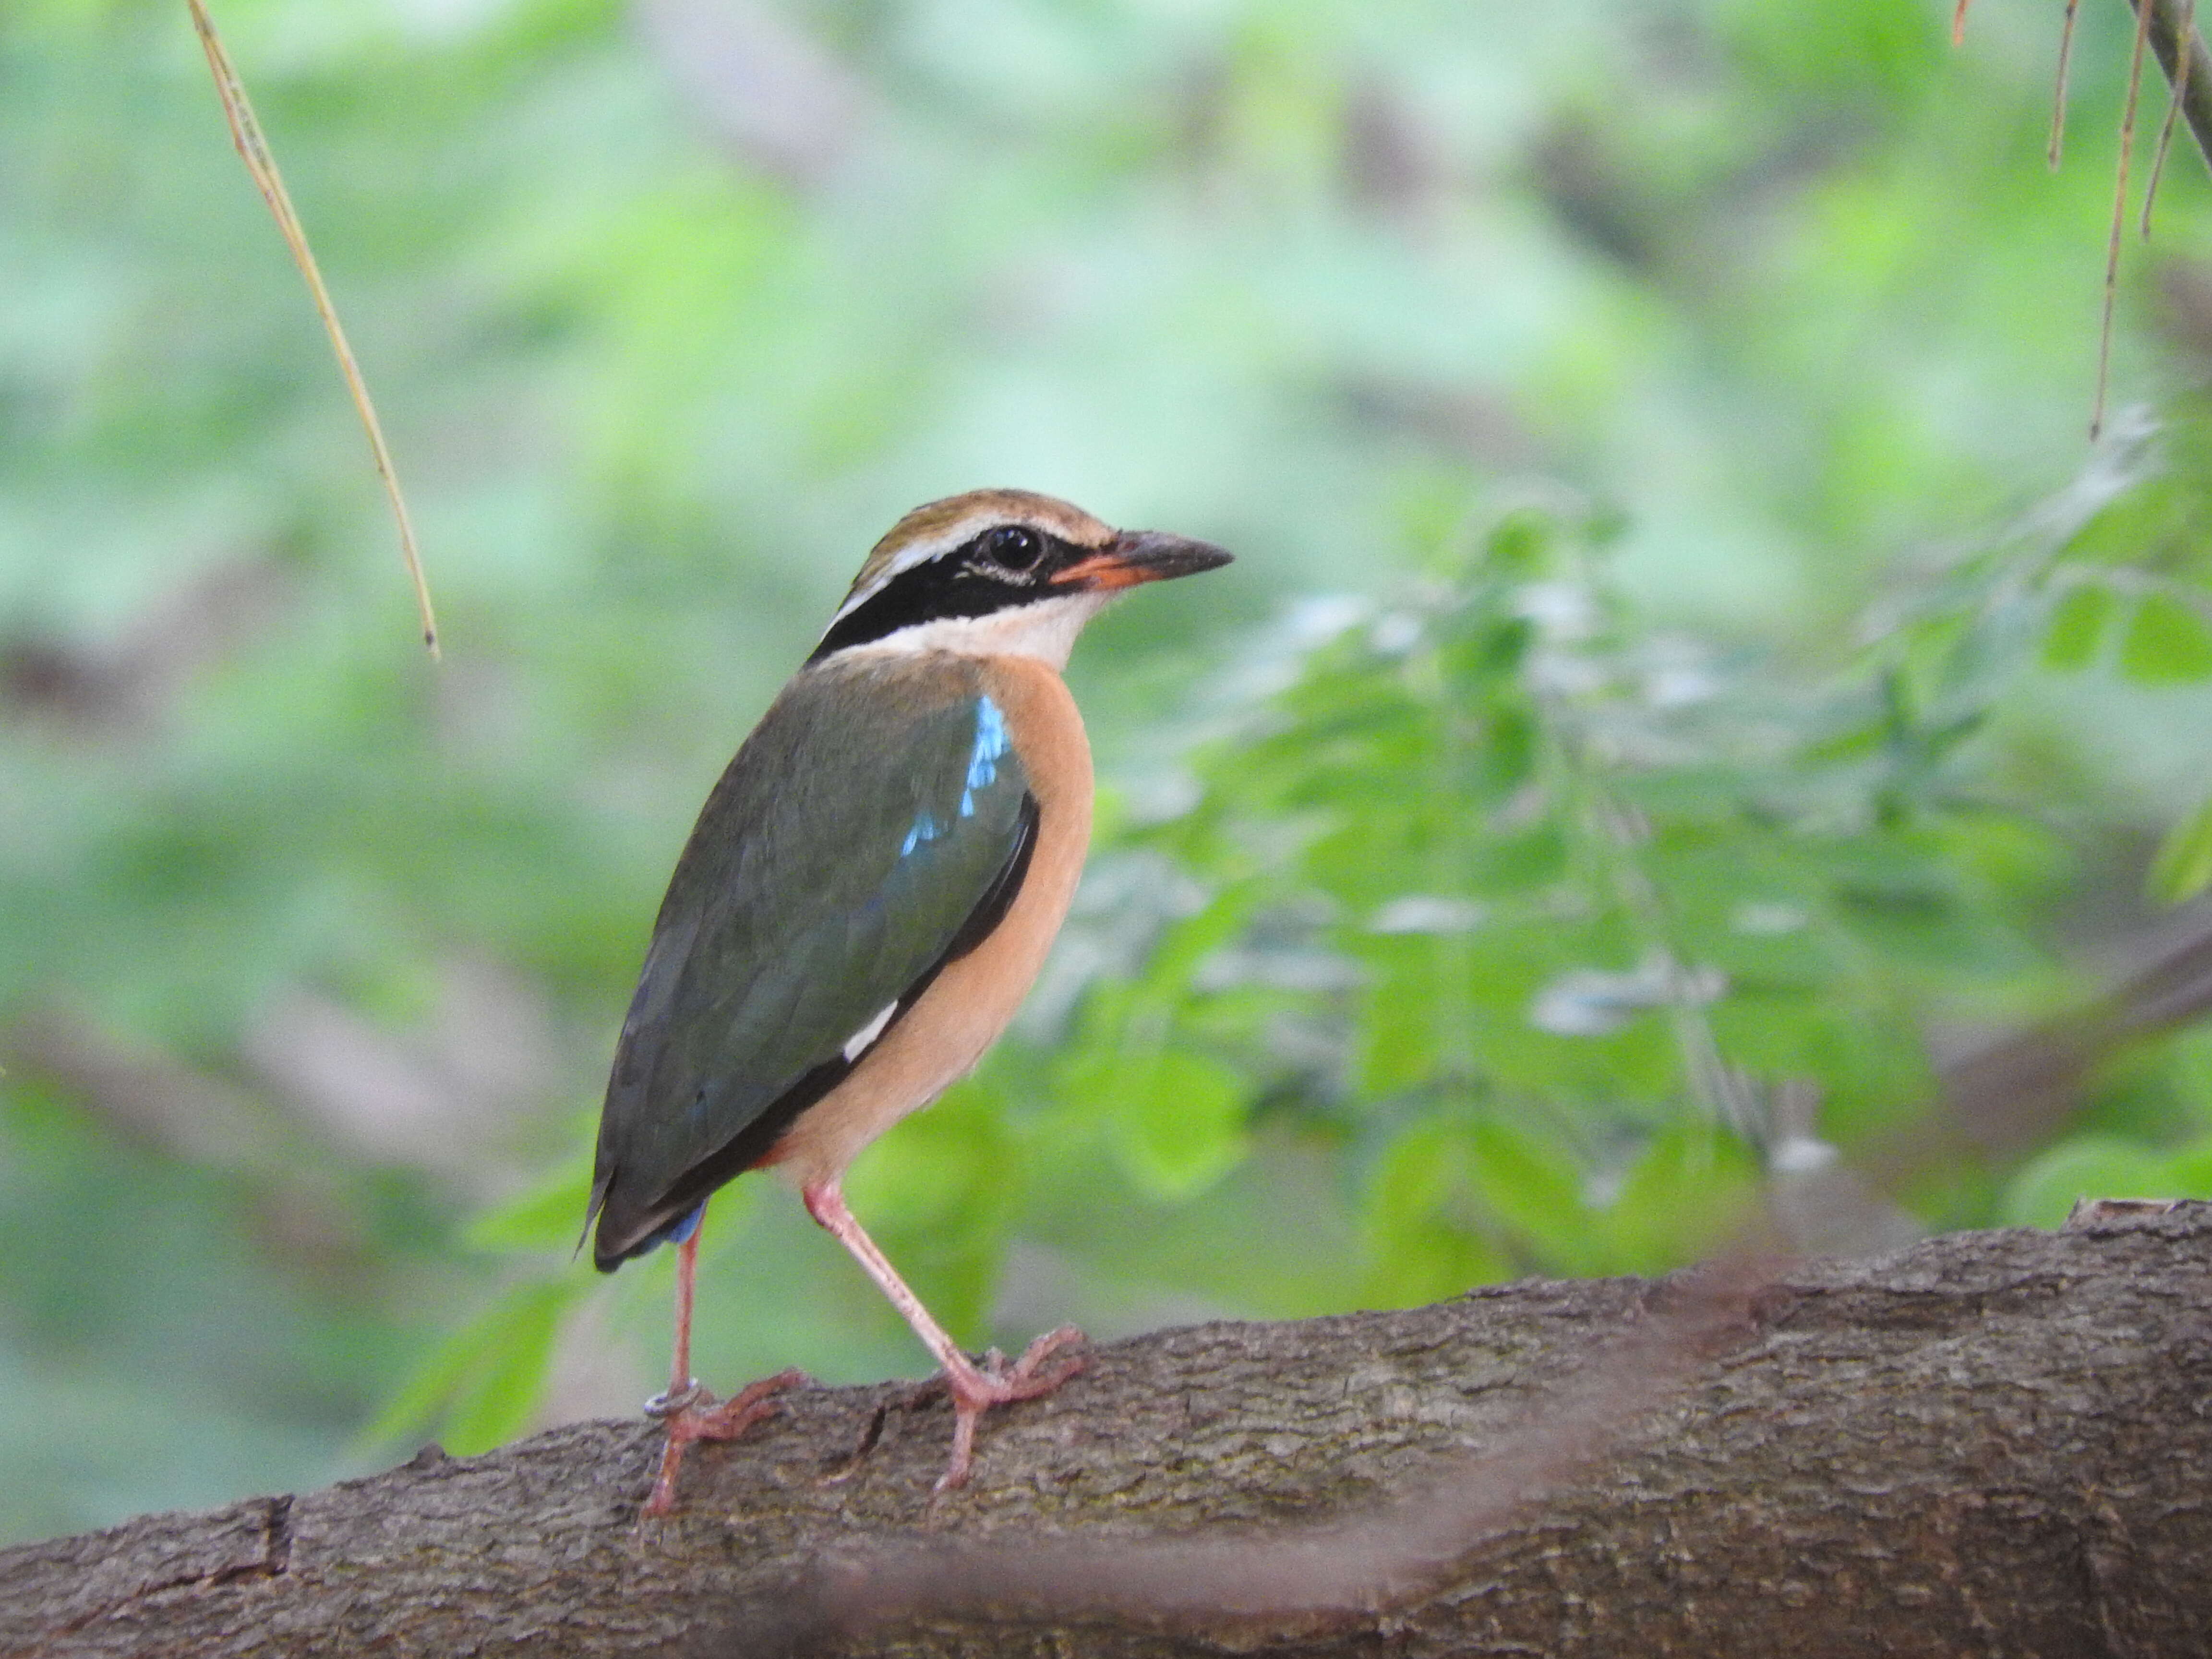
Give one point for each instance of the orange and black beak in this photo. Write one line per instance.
(1140, 555)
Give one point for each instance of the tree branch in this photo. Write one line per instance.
(2172, 41)
(1989, 1442)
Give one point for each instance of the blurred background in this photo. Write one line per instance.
(1691, 698)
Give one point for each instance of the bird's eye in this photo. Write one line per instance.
(1012, 547)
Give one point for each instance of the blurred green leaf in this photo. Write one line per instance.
(2183, 866)
(936, 1168)
(1178, 1122)
(548, 1216)
(2077, 626)
(484, 1381)
(1692, 1188)
(499, 1392)
(2043, 1191)
(1536, 1193)
(2167, 642)
(2188, 1173)
(1421, 1243)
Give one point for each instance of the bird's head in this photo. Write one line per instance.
(999, 572)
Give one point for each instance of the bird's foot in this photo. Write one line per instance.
(692, 1413)
(1028, 1377)
(994, 1382)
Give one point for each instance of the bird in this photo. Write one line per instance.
(867, 896)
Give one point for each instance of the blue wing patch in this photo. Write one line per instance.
(983, 758)
(983, 755)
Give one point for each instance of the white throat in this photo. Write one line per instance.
(1045, 629)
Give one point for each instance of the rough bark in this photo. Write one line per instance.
(1994, 1442)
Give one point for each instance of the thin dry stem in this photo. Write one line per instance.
(253, 150)
(2119, 219)
(2058, 95)
(2180, 90)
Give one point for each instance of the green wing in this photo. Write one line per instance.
(874, 827)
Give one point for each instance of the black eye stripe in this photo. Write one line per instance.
(969, 580)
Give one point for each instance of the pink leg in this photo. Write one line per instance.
(973, 1387)
(687, 1273)
(689, 1410)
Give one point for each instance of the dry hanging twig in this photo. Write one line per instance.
(2168, 28)
(2172, 109)
(2058, 96)
(253, 150)
(2119, 219)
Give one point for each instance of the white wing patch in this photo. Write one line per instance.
(864, 1039)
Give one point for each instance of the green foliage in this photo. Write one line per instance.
(1423, 1242)
(2183, 867)
(484, 1380)
(548, 1216)
(2167, 643)
(1505, 885)
(2078, 622)
(1177, 1115)
(2045, 1189)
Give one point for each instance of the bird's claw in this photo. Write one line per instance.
(691, 1413)
(994, 1382)
(747, 1406)
(1027, 1377)
(1030, 1364)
